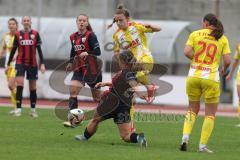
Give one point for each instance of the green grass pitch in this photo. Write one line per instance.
(45, 138)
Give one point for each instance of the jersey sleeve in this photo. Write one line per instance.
(226, 47)
(141, 28)
(15, 41)
(94, 45)
(190, 40)
(4, 45)
(237, 54)
(72, 52)
(130, 76)
(116, 43)
(39, 41)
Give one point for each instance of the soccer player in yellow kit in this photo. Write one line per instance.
(205, 48)
(6, 48)
(229, 76)
(131, 36)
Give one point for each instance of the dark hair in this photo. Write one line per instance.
(218, 29)
(120, 10)
(89, 27)
(13, 19)
(127, 57)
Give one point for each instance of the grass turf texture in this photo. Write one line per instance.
(45, 138)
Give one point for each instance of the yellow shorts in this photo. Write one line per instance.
(11, 72)
(196, 87)
(238, 78)
(142, 76)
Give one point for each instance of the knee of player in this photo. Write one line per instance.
(11, 87)
(125, 137)
(73, 92)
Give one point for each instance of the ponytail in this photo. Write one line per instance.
(218, 28)
(110, 25)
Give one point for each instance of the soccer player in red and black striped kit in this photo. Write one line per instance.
(84, 62)
(27, 41)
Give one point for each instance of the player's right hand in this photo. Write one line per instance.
(229, 77)
(99, 85)
(69, 67)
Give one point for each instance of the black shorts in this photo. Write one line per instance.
(32, 72)
(91, 81)
(111, 107)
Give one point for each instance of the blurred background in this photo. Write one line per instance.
(55, 20)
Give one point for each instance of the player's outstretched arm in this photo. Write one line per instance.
(155, 28)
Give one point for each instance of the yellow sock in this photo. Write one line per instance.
(132, 112)
(189, 122)
(13, 98)
(207, 128)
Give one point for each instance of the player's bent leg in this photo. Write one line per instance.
(131, 137)
(125, 133)
(146, 64)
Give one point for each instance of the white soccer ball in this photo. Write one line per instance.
(76, 116)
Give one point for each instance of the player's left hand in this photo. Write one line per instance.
(42, 68)
(83, 55)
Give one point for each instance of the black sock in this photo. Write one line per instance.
(19, 96)
(33, 98)
(87, 134)
(73, 103)
(133, 138)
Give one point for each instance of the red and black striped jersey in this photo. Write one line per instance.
(86, 42)
(27, 43)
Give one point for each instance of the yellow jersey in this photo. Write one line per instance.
(8, 44)
(207, 54)
(134, 39)
(237, 55)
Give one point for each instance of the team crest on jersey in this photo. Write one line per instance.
(32, 36)
(84, 39)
